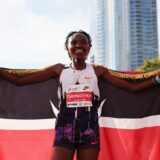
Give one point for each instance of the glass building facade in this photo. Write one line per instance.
(127, 33)
(143, 30)
(101, 34)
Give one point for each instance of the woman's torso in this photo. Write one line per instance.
(78, 93)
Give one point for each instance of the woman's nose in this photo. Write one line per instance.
(79, 44)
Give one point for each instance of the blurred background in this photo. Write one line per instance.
(125, 33)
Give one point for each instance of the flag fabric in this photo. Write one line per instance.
(129, 122)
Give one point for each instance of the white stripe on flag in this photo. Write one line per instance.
(108, 122)
(19, 124)
(130, 123)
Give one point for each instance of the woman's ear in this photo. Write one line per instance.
(90, 47)
(69, 56)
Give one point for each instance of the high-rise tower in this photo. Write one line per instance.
(143, 31)
(127, 32)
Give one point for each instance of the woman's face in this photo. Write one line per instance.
(78, 46)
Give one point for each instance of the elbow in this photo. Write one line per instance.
(19, 82)
(133, 89)
(137, 89)
(22, 83)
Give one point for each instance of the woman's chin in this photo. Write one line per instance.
(79, 59)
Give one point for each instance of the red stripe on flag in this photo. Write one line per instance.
(26, 145)
(123, 144)
(116, 144)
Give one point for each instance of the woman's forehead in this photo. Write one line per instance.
(77, 36)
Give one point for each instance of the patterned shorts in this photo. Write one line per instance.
(77, 135)
(78, 146)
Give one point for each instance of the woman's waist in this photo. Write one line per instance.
(77, 114)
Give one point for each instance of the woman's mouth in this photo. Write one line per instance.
(79, 51)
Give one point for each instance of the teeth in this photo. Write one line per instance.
(79, 50)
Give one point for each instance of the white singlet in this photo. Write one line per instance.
(85, 78)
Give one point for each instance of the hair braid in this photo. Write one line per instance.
(74, 32)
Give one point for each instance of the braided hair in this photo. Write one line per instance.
(74, 32)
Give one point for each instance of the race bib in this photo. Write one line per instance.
(79, 95)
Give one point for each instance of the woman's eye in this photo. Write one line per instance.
(84, 42)
(79, 42)
(73, 42)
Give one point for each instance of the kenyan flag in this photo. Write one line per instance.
(129, 122)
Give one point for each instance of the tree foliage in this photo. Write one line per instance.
(150, 65)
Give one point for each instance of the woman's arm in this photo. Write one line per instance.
(103, 73)
(39, 76)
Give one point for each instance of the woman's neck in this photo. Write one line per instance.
(78, 64)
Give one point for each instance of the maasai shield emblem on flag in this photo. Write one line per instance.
(129, 122)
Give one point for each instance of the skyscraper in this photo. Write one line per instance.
(101, 50)
(143, 31)
(127, 32)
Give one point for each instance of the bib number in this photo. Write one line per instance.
(79, 96)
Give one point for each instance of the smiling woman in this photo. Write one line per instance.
(78, 48)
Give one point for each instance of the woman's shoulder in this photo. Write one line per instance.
(58, 68)
(100, 69)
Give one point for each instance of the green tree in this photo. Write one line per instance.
(150, 65)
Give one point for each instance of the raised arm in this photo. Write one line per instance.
(38, 76)
(103, 73)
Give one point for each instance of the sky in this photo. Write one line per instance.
(32, 32)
